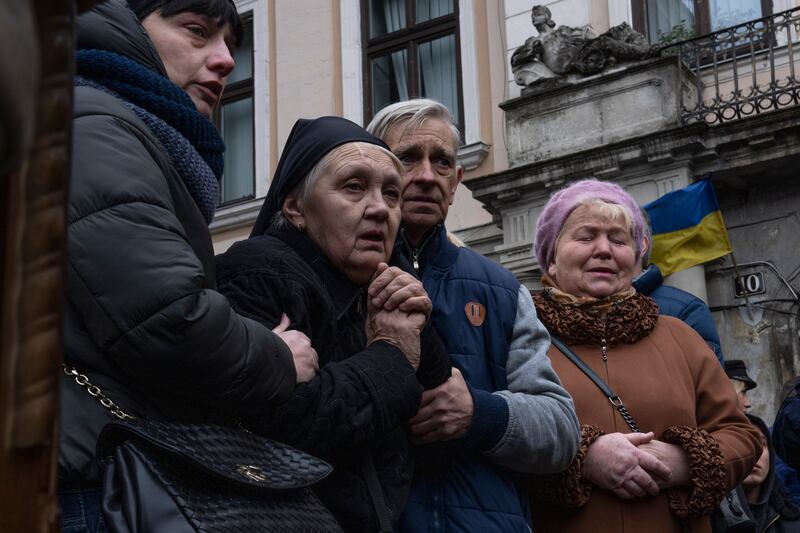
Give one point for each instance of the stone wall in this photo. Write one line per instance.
(763, 220)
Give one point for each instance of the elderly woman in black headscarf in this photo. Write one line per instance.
(320, 253)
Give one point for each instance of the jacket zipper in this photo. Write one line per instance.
(604, 353)
(415, 252)
(360, 302)
(769, 524)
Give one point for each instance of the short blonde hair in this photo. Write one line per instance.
(614, 212)
(738, 385)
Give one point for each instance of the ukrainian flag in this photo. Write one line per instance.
(687, 228)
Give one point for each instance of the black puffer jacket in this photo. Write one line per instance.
(356, 408)
(142, 317)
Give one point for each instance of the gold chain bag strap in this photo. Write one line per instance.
(186, 478)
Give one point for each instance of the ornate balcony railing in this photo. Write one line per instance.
(740, 71)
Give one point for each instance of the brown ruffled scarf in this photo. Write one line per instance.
(620, 319)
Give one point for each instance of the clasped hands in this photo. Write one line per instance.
(633, 465)
(397, 309)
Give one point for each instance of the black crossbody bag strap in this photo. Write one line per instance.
(615, 400)
(376, 494)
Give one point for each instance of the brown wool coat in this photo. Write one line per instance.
(668, 378)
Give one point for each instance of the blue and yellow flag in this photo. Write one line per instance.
(687, 228)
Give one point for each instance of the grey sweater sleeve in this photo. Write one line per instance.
(543, 432)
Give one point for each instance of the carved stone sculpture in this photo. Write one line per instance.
(573, 52)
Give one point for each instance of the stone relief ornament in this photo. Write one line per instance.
(567, 52)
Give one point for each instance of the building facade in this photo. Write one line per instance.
(723, 107)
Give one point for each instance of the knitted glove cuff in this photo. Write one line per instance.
(568, 488)
(707, 481)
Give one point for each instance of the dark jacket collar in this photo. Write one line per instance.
(341, 290)
(649, 280)
(435, 248)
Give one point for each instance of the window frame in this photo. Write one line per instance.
(702, 21)
(235, 92)
(409, 38)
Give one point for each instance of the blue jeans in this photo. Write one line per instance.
(81, 512)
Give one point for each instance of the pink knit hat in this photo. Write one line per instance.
(564, 201)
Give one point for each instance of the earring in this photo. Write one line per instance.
(299, 226)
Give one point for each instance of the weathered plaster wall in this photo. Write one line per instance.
(763, 223)
(305, 83)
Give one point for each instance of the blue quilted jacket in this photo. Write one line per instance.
(678, 303)
(455, 487)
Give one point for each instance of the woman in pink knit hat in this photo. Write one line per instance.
(662, 436)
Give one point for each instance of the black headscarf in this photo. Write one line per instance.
(308, 142)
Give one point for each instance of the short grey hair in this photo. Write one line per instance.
(413, 112)
(306, 186)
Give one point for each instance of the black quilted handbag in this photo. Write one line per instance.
(200, 477)
(188, 478)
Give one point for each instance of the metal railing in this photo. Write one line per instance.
(740, 71)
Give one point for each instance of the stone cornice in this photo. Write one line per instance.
(706, 148)
(470, 156)
(619, 71)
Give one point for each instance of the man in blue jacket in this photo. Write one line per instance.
(673, 301)
(503, 411)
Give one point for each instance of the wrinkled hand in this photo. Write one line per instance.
(392, 288)
(445, 412)
(397, 327)
(306, 361)
(614, 462)
(674, 457)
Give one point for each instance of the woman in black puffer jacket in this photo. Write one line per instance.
(142, 317)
